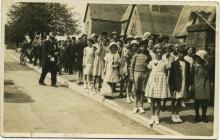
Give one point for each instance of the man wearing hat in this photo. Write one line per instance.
(49, 60)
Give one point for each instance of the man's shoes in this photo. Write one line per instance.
(54, 85)
(42, 83)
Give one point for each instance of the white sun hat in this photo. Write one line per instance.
(146, 35)
(112, 44)
(134, 42)
(202, 54)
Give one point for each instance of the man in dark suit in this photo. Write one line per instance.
(70, 54)
(49, 60)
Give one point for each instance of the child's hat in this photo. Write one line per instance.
(114, 32)
(202, 54)
(146, 35)
(134, 42)
(112, 44)
(130, 37)
(93, 35)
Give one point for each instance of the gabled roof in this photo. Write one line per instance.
(158, 22)
(186, 19)
(108, 12)
(127, 13)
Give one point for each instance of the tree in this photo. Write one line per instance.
(29, 18)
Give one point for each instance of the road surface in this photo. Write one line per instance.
(31, 108)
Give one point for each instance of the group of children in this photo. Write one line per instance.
(151, 68)
(146, 66)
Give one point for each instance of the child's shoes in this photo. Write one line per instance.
(135, 110)
(141, 110)
(179, 119)
(156, 120)
(174, 119)
(152, 120)
(85, 86)
(128, 100)
(132, 99)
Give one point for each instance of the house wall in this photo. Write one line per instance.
(134, 27)
(99, 26)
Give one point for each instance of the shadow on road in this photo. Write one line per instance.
(14, 95)
(8, 82)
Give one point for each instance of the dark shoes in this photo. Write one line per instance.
(199, 119)
(42, 83)
(121, 95)
(163, 108)
(54, 85)
(205, 119)
(79, 83)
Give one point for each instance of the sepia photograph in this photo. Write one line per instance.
(102, 69)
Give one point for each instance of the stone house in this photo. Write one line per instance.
(196, 26)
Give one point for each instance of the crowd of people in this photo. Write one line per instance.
(143, 66)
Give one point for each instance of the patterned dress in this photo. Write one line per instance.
(157, 85)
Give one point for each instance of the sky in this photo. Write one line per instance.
(78, 6)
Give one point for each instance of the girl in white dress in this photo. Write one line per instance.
(112, 60)
(88, 60)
